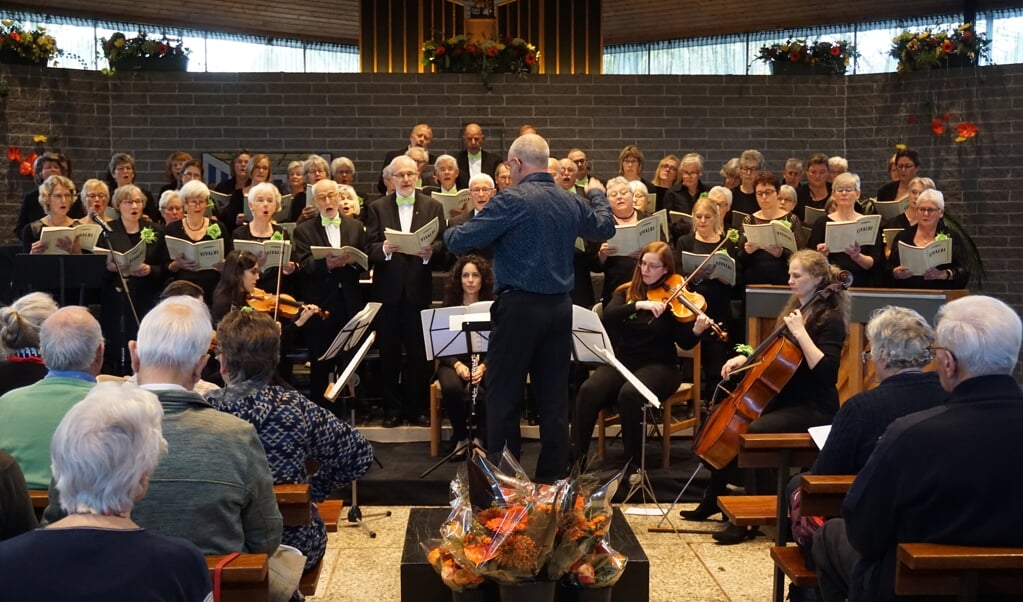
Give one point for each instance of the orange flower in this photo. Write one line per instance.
(26, 169)
(946, 47)
(937, 126)
(13, 153)
(967, 129)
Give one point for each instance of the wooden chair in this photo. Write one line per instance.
(244, 579)
(687, 393)
(936, 569)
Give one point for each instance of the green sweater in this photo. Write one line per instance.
(28, 418)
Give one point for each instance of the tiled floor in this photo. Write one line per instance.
(683, 567)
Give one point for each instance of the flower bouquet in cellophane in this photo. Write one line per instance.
(583, 556)
(501, 526)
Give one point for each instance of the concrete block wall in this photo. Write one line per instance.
(363, 116)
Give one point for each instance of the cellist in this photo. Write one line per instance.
(810, 397)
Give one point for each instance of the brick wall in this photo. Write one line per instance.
(365, 115)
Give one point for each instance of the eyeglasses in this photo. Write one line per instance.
(133, 202)
(927, 210)
(480, 190)
(407, 174)
(630, 160)
(329, 196)
(934, 348)
(344, 172)
(748, 169)
(689, 174)
(650, 266)
(766, 193)
(96, 195)
(196, 201)
(669, 167)
(845, 190)
(61, 195)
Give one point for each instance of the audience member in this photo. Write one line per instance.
(19, 340)
(71, 345)
(105, 452)
(16, 512)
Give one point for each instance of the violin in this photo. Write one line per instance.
(685, 305)
(283, 304)
(766, 372)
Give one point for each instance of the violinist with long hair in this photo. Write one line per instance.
(643, 333)
(810, 397)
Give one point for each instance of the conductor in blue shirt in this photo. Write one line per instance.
(532, 227)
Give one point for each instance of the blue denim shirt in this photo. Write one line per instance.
(532, 228)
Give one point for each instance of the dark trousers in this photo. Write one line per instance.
(405, 387)
(456, 395)
(530, 334)
(607, 387)
(835, 559)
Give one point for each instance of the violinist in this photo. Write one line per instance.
(264, 201)
(706, 236)
(644, 333)
(331, 282)
(810, 397)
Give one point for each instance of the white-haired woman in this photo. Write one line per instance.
(195, 227)
(19, 338)
(930, 207)
(104, 451)
(264, 201)
(171, 207)
(617, 269)
(95, 196)
(863, 262)
(908, 218)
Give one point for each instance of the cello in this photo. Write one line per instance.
(765, 373)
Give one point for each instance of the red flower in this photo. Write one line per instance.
(14, 153)
(492, 51)
(439, 51)
(15, 36)
(472, 49)
(530, 59)
(946, 46)
(26, 169)
(161, 49)
(967, 34)
(794, 56)
(937, 127)
(967, 129)
(836, 50)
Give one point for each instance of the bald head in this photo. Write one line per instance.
(71, 339)
(472, 138)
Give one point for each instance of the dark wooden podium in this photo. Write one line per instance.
(763, 302)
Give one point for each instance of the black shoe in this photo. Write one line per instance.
(392, 421)
(700, 513)
(459, 456)
(420, 420)
(732, 535)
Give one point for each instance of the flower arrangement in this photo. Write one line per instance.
(582, 556)
(459, 54)
(819, 56)
(30, 47)
(917, 51)
(143, 52)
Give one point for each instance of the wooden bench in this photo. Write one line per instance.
(330, 512)
(822, 495)
(932, 569)
(749, 510)
(244, 579)
(294, 503)
(789, 559)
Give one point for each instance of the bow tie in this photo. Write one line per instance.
(326, 221)
(478, 155)
(405, 200)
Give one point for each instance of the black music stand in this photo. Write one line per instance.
(59, 273)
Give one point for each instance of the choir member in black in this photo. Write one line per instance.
(684, 194)
(908, 217)
(95, 196)
(257, 171)
(296, 179)
(144, 282)
(770, 264)
(264, 201)
(705, 237)
(930, 207)
(331, 282)
(644, 334)
(617, 269)
(402, 283)
(121, 172)
(664, 179)
(314, 169)
(172, 172)
(195, 227)
(471, 280)
(46, 165)
(793, 174)
(817, 190)
(744, 196)
(171, 207)
(863, 262)
(56, 197)
(907, 163)
(810, 397)
(238, 176)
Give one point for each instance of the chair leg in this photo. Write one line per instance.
(434, 420)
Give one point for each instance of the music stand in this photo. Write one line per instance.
(60, 272)
(473, 324)
(346, 339)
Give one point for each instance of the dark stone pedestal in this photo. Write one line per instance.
(420, 583)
